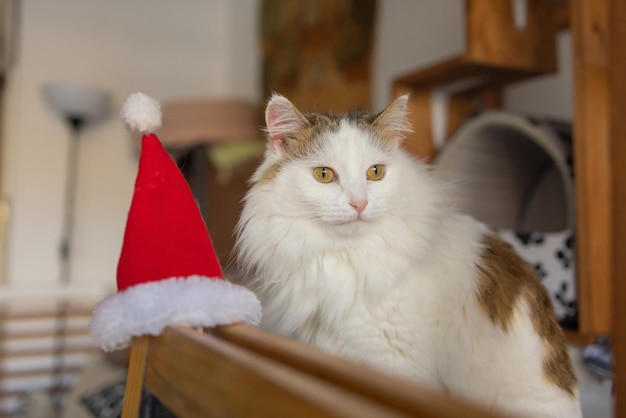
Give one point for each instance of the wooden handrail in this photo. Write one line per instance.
(407, 397)
(241, 371)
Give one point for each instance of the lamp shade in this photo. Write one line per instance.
(199, 121)
(73, 101)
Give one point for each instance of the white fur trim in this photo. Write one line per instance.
(148, 308)
(141, 113)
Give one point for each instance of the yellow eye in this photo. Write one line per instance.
(324, 174)
(376, 172)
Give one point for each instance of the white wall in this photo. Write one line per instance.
(412, 34)
(161, 47)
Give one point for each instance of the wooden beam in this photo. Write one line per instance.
(617, 83)
(401, 395)
(592, 150)
(460, 106)
(196, 375)
(135, 378)
(493, 37)
(242, 371)
(562, 14)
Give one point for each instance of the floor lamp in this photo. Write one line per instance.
(78, 106)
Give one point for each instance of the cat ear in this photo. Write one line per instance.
(283, 121)
(392, 123)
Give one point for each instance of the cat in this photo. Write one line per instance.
(355, 248)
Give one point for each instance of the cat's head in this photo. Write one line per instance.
(341, 173)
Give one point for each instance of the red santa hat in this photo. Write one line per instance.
(168, 272)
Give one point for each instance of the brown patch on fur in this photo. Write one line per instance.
(504, 277)
(307, 140)
(270, 174)
(299, 144)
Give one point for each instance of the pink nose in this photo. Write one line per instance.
(359, 205)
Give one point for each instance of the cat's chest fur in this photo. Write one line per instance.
(374, 303)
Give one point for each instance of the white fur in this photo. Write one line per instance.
(395, 289)
(148, 308)
(141, 113)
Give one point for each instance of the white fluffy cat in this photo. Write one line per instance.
(355, 248)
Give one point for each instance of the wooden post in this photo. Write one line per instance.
(592, 150)
(600, 140)
(617, 83)
(134, 381)
(492, 36)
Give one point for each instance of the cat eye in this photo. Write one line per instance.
(376, 172)
(324, 174)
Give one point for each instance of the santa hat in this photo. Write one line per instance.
(168, 272)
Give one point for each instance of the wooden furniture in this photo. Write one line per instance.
(497, 53)
(595, 30)
(599, 37)
(617, 163)
(240, 371)
(599, 136)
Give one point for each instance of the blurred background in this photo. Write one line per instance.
(66, 190)
(206, 49)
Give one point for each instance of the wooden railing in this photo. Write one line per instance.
(240, 371)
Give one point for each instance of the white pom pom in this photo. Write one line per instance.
(141, 113)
